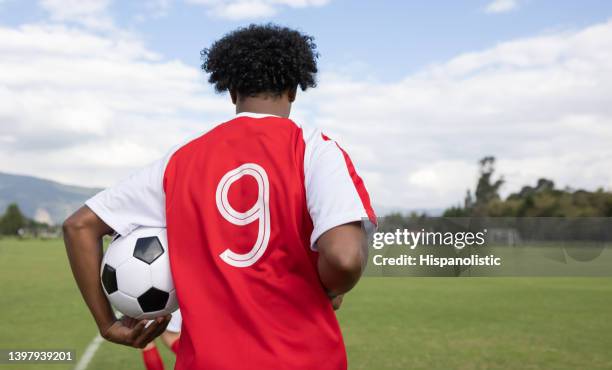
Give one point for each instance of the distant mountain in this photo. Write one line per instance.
(42, 200)
(51, 202)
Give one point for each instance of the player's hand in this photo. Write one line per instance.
(337, 301)
(133, 333)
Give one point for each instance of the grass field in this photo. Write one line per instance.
(388, 323)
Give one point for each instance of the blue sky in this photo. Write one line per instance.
(417, 92)
(386, 39)
(392, 38)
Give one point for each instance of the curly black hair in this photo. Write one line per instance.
(261, 59)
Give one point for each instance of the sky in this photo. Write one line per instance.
(416, 92)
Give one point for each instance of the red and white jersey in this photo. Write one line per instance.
(244, 205)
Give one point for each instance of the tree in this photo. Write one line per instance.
(486, 193)
(487, 190)
(12, 221)
(541, 200)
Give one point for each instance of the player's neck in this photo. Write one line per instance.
(278, 106)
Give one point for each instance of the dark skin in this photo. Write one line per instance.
(83, 232)
(342, 250)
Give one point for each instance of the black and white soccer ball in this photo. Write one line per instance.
(136, 274)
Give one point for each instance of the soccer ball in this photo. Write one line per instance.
(136, 274)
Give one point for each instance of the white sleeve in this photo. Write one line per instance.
(175, 322)
(136, 201)
(335, 194)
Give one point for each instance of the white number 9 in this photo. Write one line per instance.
(260, 211)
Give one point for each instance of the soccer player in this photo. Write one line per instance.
(150, 355)
(265, 220)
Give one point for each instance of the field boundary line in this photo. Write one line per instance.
(89, 353)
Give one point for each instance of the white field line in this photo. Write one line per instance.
(89, 353)
(91, 349)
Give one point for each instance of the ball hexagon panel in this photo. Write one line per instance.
(109, 279)
(127, 305)
(153, 300)
(148, 249)
(151, 315)
(172, 302)
(134, 277)
(161, 275)
(118, 252)
(163, 238)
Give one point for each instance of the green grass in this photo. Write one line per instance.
(388, 323)
(42, 308)
(479, 323)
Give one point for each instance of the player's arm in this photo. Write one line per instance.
(343, 255)
(339, 205)
(83, 232)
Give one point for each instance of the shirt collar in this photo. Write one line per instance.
(255, 115)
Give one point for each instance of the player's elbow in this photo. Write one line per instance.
(342, 255)
(347, 261)
(340, 265)
(340, 268)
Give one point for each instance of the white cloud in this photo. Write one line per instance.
(435, 178)
(72, 102)
(86, 108)
(252, 9)
(539, 104)
(154, 9)
(501, 6)
(90, 13)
